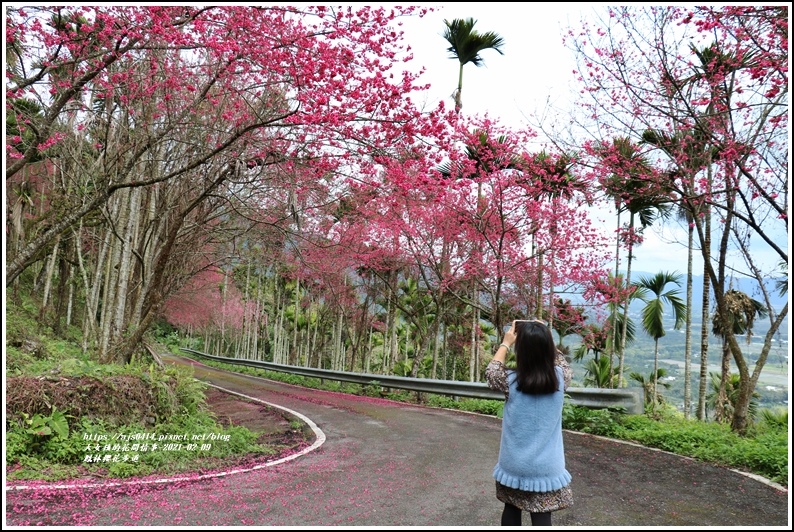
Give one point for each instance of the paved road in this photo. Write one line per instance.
(387, 464)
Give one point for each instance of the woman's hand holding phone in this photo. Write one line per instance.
(510, 335)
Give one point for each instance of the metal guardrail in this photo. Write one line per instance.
(628, 399)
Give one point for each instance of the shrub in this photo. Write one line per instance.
(490, 407)
(774, 419)
(603, 422)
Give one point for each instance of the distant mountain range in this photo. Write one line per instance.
(639, 357)
(744, 284)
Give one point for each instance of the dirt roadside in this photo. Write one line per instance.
(276, 428)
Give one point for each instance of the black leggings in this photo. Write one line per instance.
(511, 516)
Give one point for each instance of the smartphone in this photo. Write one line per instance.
(507, 327)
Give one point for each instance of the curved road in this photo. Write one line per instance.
(389, 464)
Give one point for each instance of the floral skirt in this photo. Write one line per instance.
(533, 501)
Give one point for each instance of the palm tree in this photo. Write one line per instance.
(599, 373)
(652, 291)
(489, 155)
(714, 65)
(568, 320)
(727, 403)
(781, 283)
(549, 178)
(465, 45)
(690, 252)
(644, 199)
(775, 418)
(619, 320)
(742, 312)
(690, 152)
(652, 397)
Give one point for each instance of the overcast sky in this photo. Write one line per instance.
(534, 69)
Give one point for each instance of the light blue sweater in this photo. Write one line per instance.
(531, 455)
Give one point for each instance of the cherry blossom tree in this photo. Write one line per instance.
(275, 95)
(487, 218)
(270, 162)
(723, 73)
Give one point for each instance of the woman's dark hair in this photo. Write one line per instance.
(535, 357)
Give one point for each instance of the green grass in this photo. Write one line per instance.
(763, 451)
(55, 445)
(65, 458)
(115, 450)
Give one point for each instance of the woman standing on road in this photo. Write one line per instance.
(530, 473)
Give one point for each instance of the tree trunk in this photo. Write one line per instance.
(260, 309)
(278, 331)
(118, 214)
(655, 373)
(90, 326)
(720, 413)
(48, 274)
(157, 294)
(64, 280)
(368, 354)
(245, 330)
(339, 347)
(70, 298)
(473, 346)
(294, 350)
(224, 292)
(88, 321)
(742, 407)
(434, 372)
(552, 280)
(688, 327)
(390, 334)
(614, 318)
(624, 328)
(395, 318)
(313, 350)
(407, 342)
(421, 348)
(477, 343)
(148, 248)
(125, 266)
(704, 317)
